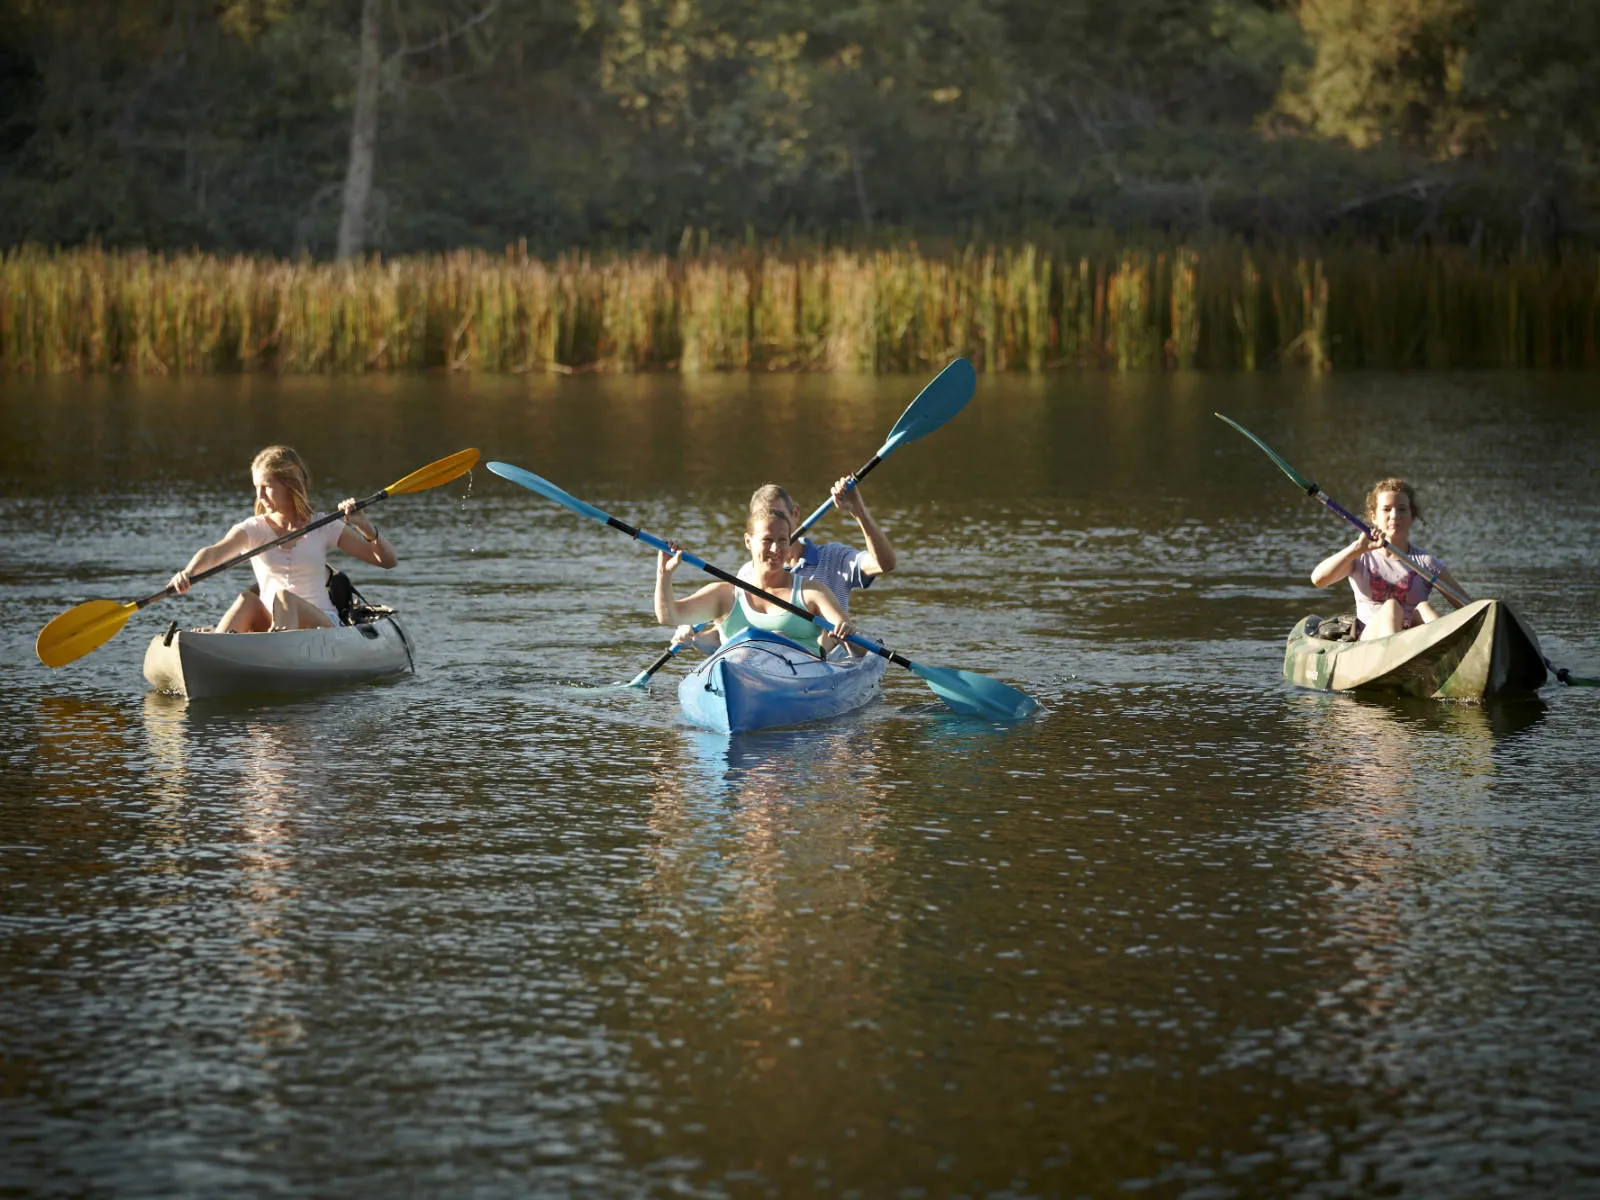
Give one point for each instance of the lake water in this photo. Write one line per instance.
(491, 930)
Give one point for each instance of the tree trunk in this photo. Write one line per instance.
(861, 185)
(363, 139)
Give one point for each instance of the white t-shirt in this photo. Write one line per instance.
(1376, 578)
(299, 566)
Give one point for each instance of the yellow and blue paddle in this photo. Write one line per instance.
(965, 691)
(1332, 505)
(90, 625)
(946, 395)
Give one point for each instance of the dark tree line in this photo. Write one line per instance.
(327, 126)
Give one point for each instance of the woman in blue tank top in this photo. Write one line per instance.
(767, 538)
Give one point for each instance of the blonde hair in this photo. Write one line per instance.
(1392, 484)
(288, 468)
(769, 497)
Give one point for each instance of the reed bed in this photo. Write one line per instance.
(1008, 308)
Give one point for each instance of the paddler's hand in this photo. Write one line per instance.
(667, 564)
(179, 583)
(683, 635)
(847, 499)
(841, 631)
(362, 524)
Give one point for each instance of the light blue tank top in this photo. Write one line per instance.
(795, 628)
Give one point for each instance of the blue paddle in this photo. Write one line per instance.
(1333, 506)
(643, 677)
(965, 691)
(945, 396)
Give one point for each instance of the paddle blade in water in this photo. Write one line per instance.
(946, 395)
(79, 630)
(435, 473)
(976, 695)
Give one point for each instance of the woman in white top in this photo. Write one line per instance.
(1390, 596)
(292, 578)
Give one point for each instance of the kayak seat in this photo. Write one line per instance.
(353, 608)
(1343, 628)
(343, 594)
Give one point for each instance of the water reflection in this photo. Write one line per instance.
(254, 750)
(82, 748)
(1402, 809)
(168, 745)
(267, 885)
(768, 850)
(533, 927)
(1393, 744)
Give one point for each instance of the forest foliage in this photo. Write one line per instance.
(225, 126)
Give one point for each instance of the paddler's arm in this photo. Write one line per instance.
(709, 603)
(361, 538)
(1338, 564)
(232, 544)
(879, 557)
(820, 601)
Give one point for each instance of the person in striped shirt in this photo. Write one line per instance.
(838, 567)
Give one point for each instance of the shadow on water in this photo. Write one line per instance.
(1350, 722)
(1400, 741)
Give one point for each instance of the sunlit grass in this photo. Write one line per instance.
(1023, 307)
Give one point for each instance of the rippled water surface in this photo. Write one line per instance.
(494, 929)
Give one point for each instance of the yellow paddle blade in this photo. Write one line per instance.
(435, 473)
(79, 630)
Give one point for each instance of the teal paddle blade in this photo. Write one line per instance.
(537, 483)
(1299, 480)
(947, 394)
(976, 695)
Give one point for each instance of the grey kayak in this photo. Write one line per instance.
(201, 664)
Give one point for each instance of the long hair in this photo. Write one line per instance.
(1392, 484)
(287, 467)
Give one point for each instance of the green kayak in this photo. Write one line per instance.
(1475, 652)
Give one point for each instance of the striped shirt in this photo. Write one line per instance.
(836, 567)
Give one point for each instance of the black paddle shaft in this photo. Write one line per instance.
(872, 462)
(326, 519)
(666, 657)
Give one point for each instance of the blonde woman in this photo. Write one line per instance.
(767, 539)
(291, 578)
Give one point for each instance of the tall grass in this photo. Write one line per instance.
(1014, 308)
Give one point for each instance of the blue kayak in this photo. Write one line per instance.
(757, 680)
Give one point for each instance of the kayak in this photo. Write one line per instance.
(1475, 652)
(200, 664)
(758, 680)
